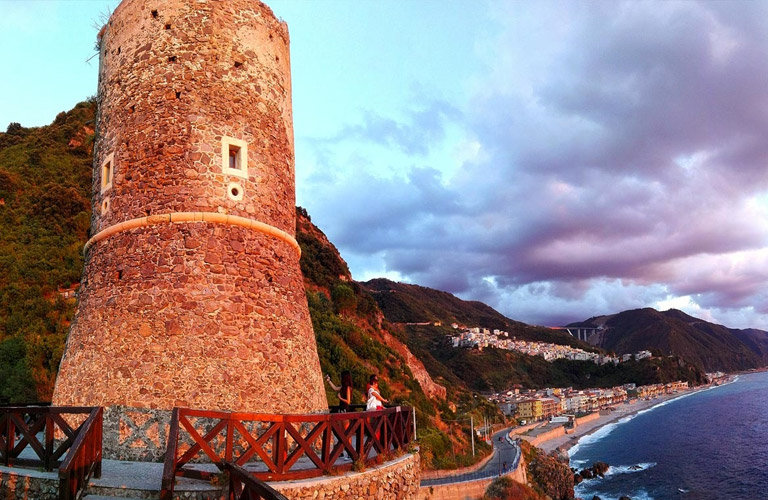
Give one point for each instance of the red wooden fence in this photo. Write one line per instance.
(22, 427)
(271, 446)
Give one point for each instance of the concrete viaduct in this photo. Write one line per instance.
(580, 332)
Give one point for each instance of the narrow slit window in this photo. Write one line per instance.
(234, 154)
(107, 173)
(234, 157)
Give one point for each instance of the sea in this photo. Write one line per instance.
(707, 445)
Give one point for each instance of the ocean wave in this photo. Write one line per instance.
(629, 469)
(614, 470)
(593, 437)
(579, 464)
(640, 495)
(583, 491)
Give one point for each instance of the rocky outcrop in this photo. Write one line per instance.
(429, 386)
(598, 469)
(549, 474)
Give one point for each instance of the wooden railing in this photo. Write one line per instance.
(272, 445)
(243, 486)
(83, 459)
(22, 426)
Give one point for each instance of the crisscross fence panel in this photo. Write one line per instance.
(67, 438)
(280, 447)
(48, 431)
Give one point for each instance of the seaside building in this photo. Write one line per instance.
(535, 405)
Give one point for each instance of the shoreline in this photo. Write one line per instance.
(568, 441)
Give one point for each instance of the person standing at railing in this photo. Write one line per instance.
(375, 400)
(344, 391)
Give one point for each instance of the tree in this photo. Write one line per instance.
(344, 299)
(14, 128)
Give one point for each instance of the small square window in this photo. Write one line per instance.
(107, 172)
(234, 156)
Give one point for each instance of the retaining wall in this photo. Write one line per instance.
(546, 436)
(470, 490)
(587, 418)
(437, 474)
(398, 479)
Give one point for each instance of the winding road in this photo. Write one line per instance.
(505, 451)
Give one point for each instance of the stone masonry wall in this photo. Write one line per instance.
(29, 486)
(398, 479)
(394, 480)
(470, 490)
(197, 314)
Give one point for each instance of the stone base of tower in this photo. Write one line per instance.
(200, 322)
(135, 434)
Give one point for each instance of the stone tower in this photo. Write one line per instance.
(192, 293)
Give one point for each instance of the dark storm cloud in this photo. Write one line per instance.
(634, 165)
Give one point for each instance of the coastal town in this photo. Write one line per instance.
(482, 338)
(563, 403)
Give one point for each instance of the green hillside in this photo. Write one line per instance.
(45, 184)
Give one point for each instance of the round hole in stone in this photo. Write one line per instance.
(235, 191)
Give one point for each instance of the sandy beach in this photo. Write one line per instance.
(567, 441)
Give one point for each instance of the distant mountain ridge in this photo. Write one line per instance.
(713, 347)
(407, 303)
(710, 346)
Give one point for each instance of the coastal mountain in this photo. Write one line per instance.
(421, 318)
(405, 303)
(334, 297)
(756, 340)
(711, 346)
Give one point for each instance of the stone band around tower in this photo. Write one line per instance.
(177, 217)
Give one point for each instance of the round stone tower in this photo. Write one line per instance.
(192, 294)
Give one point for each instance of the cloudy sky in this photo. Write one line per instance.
(556, 160)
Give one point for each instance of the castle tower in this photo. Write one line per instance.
(192, 293)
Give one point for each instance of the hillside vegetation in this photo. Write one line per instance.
(45, 184)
